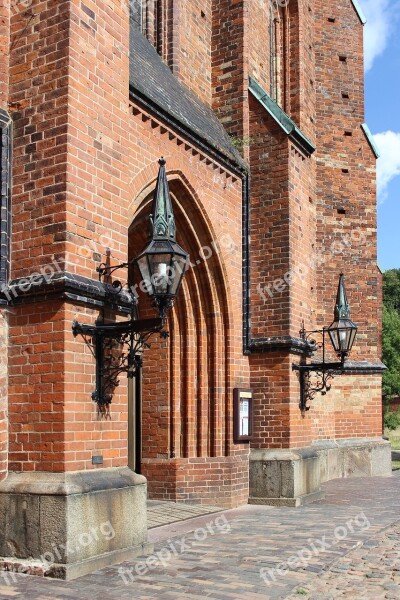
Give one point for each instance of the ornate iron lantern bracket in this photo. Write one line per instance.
(324, 371)
(342, 333)
(117, 347)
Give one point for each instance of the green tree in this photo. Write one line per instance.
(391, 289)
(391, 332)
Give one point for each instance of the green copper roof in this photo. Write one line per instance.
(285, 122)
(370, 139)
(359, 11)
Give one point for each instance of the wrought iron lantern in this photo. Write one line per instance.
(163, 262)
(118, 346)
(342, 333)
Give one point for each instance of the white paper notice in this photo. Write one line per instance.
(244, 417)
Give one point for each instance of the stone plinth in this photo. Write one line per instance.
(293, 477)
(66, 525)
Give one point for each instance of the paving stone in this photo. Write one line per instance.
(163, 513)
(365, 565)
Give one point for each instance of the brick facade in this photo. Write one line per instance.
(86, 144)
(4, 117)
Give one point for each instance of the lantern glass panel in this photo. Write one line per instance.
(342, 334)
(353, 334)
(178, 269)
(343, 339)
(334, 338)
(145, 273)
(160, 273)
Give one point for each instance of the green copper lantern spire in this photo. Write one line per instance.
(342, 331)
(162, 263)
(162, 215)
(342, 308)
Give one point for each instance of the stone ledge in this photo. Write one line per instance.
(284, 477)
(354, 457)
(279, 344)
(66, 484)
(364, 367)
(290, 502)
(74, 570)
(283, 454)
(61, 285)
(292, 476)
(350, 443)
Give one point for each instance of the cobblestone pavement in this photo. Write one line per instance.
(371, 571)
(345, 546)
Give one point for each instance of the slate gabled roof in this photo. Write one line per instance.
(151, 78)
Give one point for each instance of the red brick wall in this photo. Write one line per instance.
(296, 226)
(269, 215)
(86, 433)
(358, 406)
(270, 374)
(98, 173)
(216, 481)
(38, 94)
(190, 56)
(346, 180)
(36, 388)
(230, 55)
(85, 166)
(70, 185)
(283, 282)
(302, 240)
(3, 395)
(4, 52)
(260, 60)
(282, 61)
(181, 32)
(4, 70)
(98, 192)
(304, 79)
(97, 160)
(380, 307)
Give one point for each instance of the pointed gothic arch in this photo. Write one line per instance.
(186, 381)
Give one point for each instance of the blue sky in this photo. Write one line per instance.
(382, 78)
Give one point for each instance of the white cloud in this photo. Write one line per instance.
(380, 16)
(388, 165)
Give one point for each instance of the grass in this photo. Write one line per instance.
(301, 592)
(394, 439)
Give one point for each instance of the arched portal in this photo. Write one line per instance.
(186, 388)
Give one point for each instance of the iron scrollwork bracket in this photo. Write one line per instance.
(323, 371)
(117, 347)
